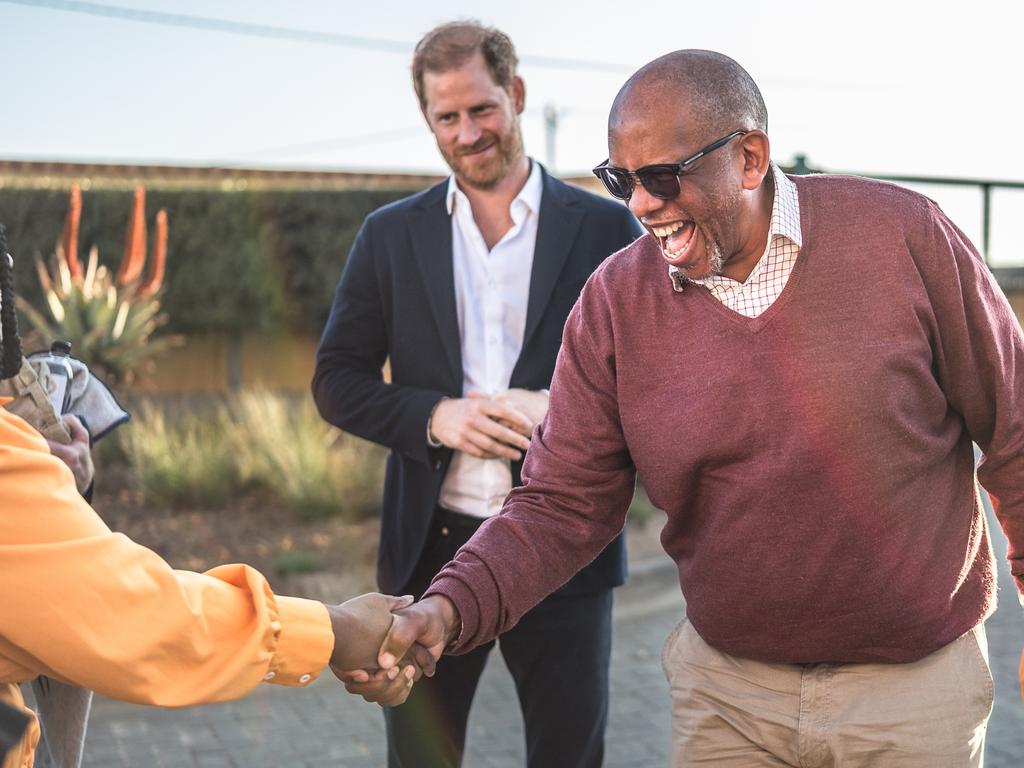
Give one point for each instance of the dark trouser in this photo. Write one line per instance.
(558, 656)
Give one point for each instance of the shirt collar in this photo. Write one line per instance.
(529, 196)
(786, 208)
(785, 221)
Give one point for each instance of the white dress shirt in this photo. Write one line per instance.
(491, 293)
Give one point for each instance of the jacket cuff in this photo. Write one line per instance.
(304, 644)
(432, 441)
(414, 441)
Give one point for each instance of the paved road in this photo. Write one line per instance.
(323, 726)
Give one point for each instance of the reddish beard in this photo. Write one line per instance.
(486, 173)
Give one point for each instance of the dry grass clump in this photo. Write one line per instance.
(255, 442)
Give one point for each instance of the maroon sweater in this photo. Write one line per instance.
(815, 463)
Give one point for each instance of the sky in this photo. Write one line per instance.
(910, 88)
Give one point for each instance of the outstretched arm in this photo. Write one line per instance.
(132, 627)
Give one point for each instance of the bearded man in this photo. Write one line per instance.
(465, 289)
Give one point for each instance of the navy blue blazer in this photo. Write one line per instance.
(396, 301)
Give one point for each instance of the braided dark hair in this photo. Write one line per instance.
(10, 360)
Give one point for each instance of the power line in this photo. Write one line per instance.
(246, 29)
(285, 33)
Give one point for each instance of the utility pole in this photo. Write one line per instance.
(550, 133)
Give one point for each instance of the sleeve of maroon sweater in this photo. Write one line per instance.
(577, 484)
(979, 361)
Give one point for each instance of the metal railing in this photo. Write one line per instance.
(1008, 277)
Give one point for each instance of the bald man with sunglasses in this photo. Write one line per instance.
(797, 368)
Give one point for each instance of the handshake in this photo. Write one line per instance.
(384, 644)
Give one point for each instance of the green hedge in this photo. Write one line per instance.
(237, 261)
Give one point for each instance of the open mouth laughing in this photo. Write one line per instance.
(677, 239)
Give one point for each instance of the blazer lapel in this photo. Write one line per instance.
(431, 232)
(559, 223)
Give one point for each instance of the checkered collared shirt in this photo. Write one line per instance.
(772, 270)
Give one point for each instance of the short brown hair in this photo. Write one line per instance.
(451, 45)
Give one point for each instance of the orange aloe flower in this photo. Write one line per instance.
(135, 241)
(155, 276)
(70, 239)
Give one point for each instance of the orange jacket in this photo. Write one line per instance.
(91, 607)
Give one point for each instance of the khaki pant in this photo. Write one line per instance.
(734, 712)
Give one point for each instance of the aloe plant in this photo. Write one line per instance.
(108, 318)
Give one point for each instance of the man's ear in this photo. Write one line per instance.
(518, 94)
(757, 155)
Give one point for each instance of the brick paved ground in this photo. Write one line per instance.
(323, 726)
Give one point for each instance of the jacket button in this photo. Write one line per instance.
(437, 464)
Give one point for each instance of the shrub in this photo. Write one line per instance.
(180, 462)
(311, 466)
(108, 318)
(296, 561)
(240, 261)
(254, 442)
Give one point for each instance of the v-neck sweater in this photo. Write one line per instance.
(814, 463)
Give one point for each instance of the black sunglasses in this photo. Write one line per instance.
(660, 180)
